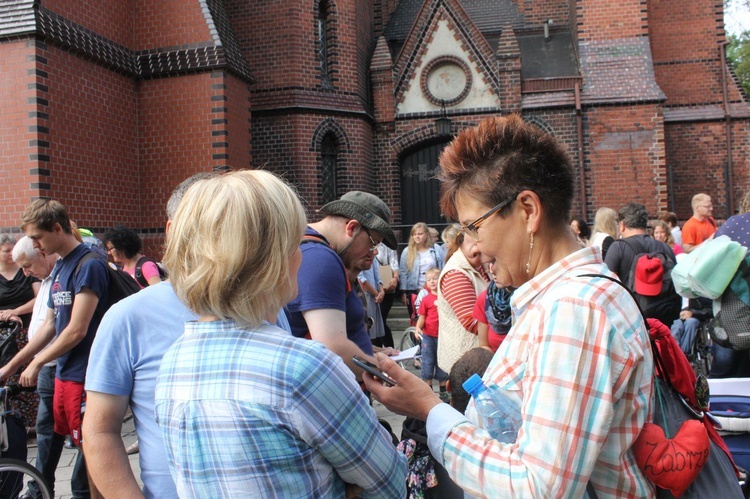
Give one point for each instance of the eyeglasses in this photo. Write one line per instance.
(471, 229)
(374, 245)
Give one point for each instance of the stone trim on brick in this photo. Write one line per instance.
(424, 133)
(437, 62)
(474, 44)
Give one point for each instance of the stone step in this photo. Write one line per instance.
(398, 311)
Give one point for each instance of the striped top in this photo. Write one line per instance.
(579, 357)
(260, 413)
(459, 292)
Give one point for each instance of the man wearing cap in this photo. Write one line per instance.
(327, 308)
(633, 220)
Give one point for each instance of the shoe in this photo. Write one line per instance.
(69, 443)
(134, 448)
(445, 397)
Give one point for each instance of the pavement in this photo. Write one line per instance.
(397, 321)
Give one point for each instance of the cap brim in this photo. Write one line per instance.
(647, 289)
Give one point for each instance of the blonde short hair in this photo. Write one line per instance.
(698, 199)
(229, 247)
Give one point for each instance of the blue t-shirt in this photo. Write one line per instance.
(322, 283)
(125, 360)
(93, 275)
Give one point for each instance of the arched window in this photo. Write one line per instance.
(328, 159)
(323, 40)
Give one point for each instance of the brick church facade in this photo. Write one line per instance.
(108, 104)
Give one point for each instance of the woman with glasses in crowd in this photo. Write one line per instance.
(577, 357)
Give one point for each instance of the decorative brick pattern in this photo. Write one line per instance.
(471, 40)
(221, 51)
(437, 62)
(618, 70)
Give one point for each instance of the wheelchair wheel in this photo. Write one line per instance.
(14, 476)
(701, 356)
(409, 340)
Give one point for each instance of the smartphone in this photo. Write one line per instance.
(374, 370)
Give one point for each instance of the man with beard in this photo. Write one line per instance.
(327, 308)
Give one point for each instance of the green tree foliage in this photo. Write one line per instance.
(738, 54)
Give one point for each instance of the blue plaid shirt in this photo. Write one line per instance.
(259, 413)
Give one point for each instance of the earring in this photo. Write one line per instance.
(531, 248)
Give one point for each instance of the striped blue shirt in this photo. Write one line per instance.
(260, 413)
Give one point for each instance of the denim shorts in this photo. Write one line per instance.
(430, 369)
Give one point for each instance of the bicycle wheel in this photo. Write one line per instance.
(409, 340)
(16, 474)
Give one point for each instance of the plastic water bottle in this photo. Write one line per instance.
(500, 414)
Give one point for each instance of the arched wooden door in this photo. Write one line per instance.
(420, 189)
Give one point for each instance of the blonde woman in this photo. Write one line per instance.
(605, 229)
(449, 240)
(416, 259)
(247, 410)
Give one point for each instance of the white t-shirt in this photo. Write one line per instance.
(39, 314)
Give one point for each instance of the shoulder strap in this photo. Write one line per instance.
(637, 248)
(654, 350)
(312, 238)
(85, 258)
(139, 271)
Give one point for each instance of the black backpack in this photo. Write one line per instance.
(139, 271)
(121, 284)
(667, 304)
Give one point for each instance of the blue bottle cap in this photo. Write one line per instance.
(474, 385)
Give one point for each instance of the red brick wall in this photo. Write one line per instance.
(603, 20)
(287, 33)
(624, 154)
(113, 19)
(538, 12)
(174, 128)
(238, 127)
(283, 53)
(93, 140)
(290, 146)
(697, 155)
(17, 72)
(169, 23)
(685, 38)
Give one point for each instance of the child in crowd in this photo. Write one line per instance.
(427, 331)
(427, 478)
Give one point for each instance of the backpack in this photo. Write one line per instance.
(681, 429)
(730, 327)
(163, 274)
(121, 284)
(664, 306)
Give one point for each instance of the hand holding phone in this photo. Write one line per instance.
(374, 370)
